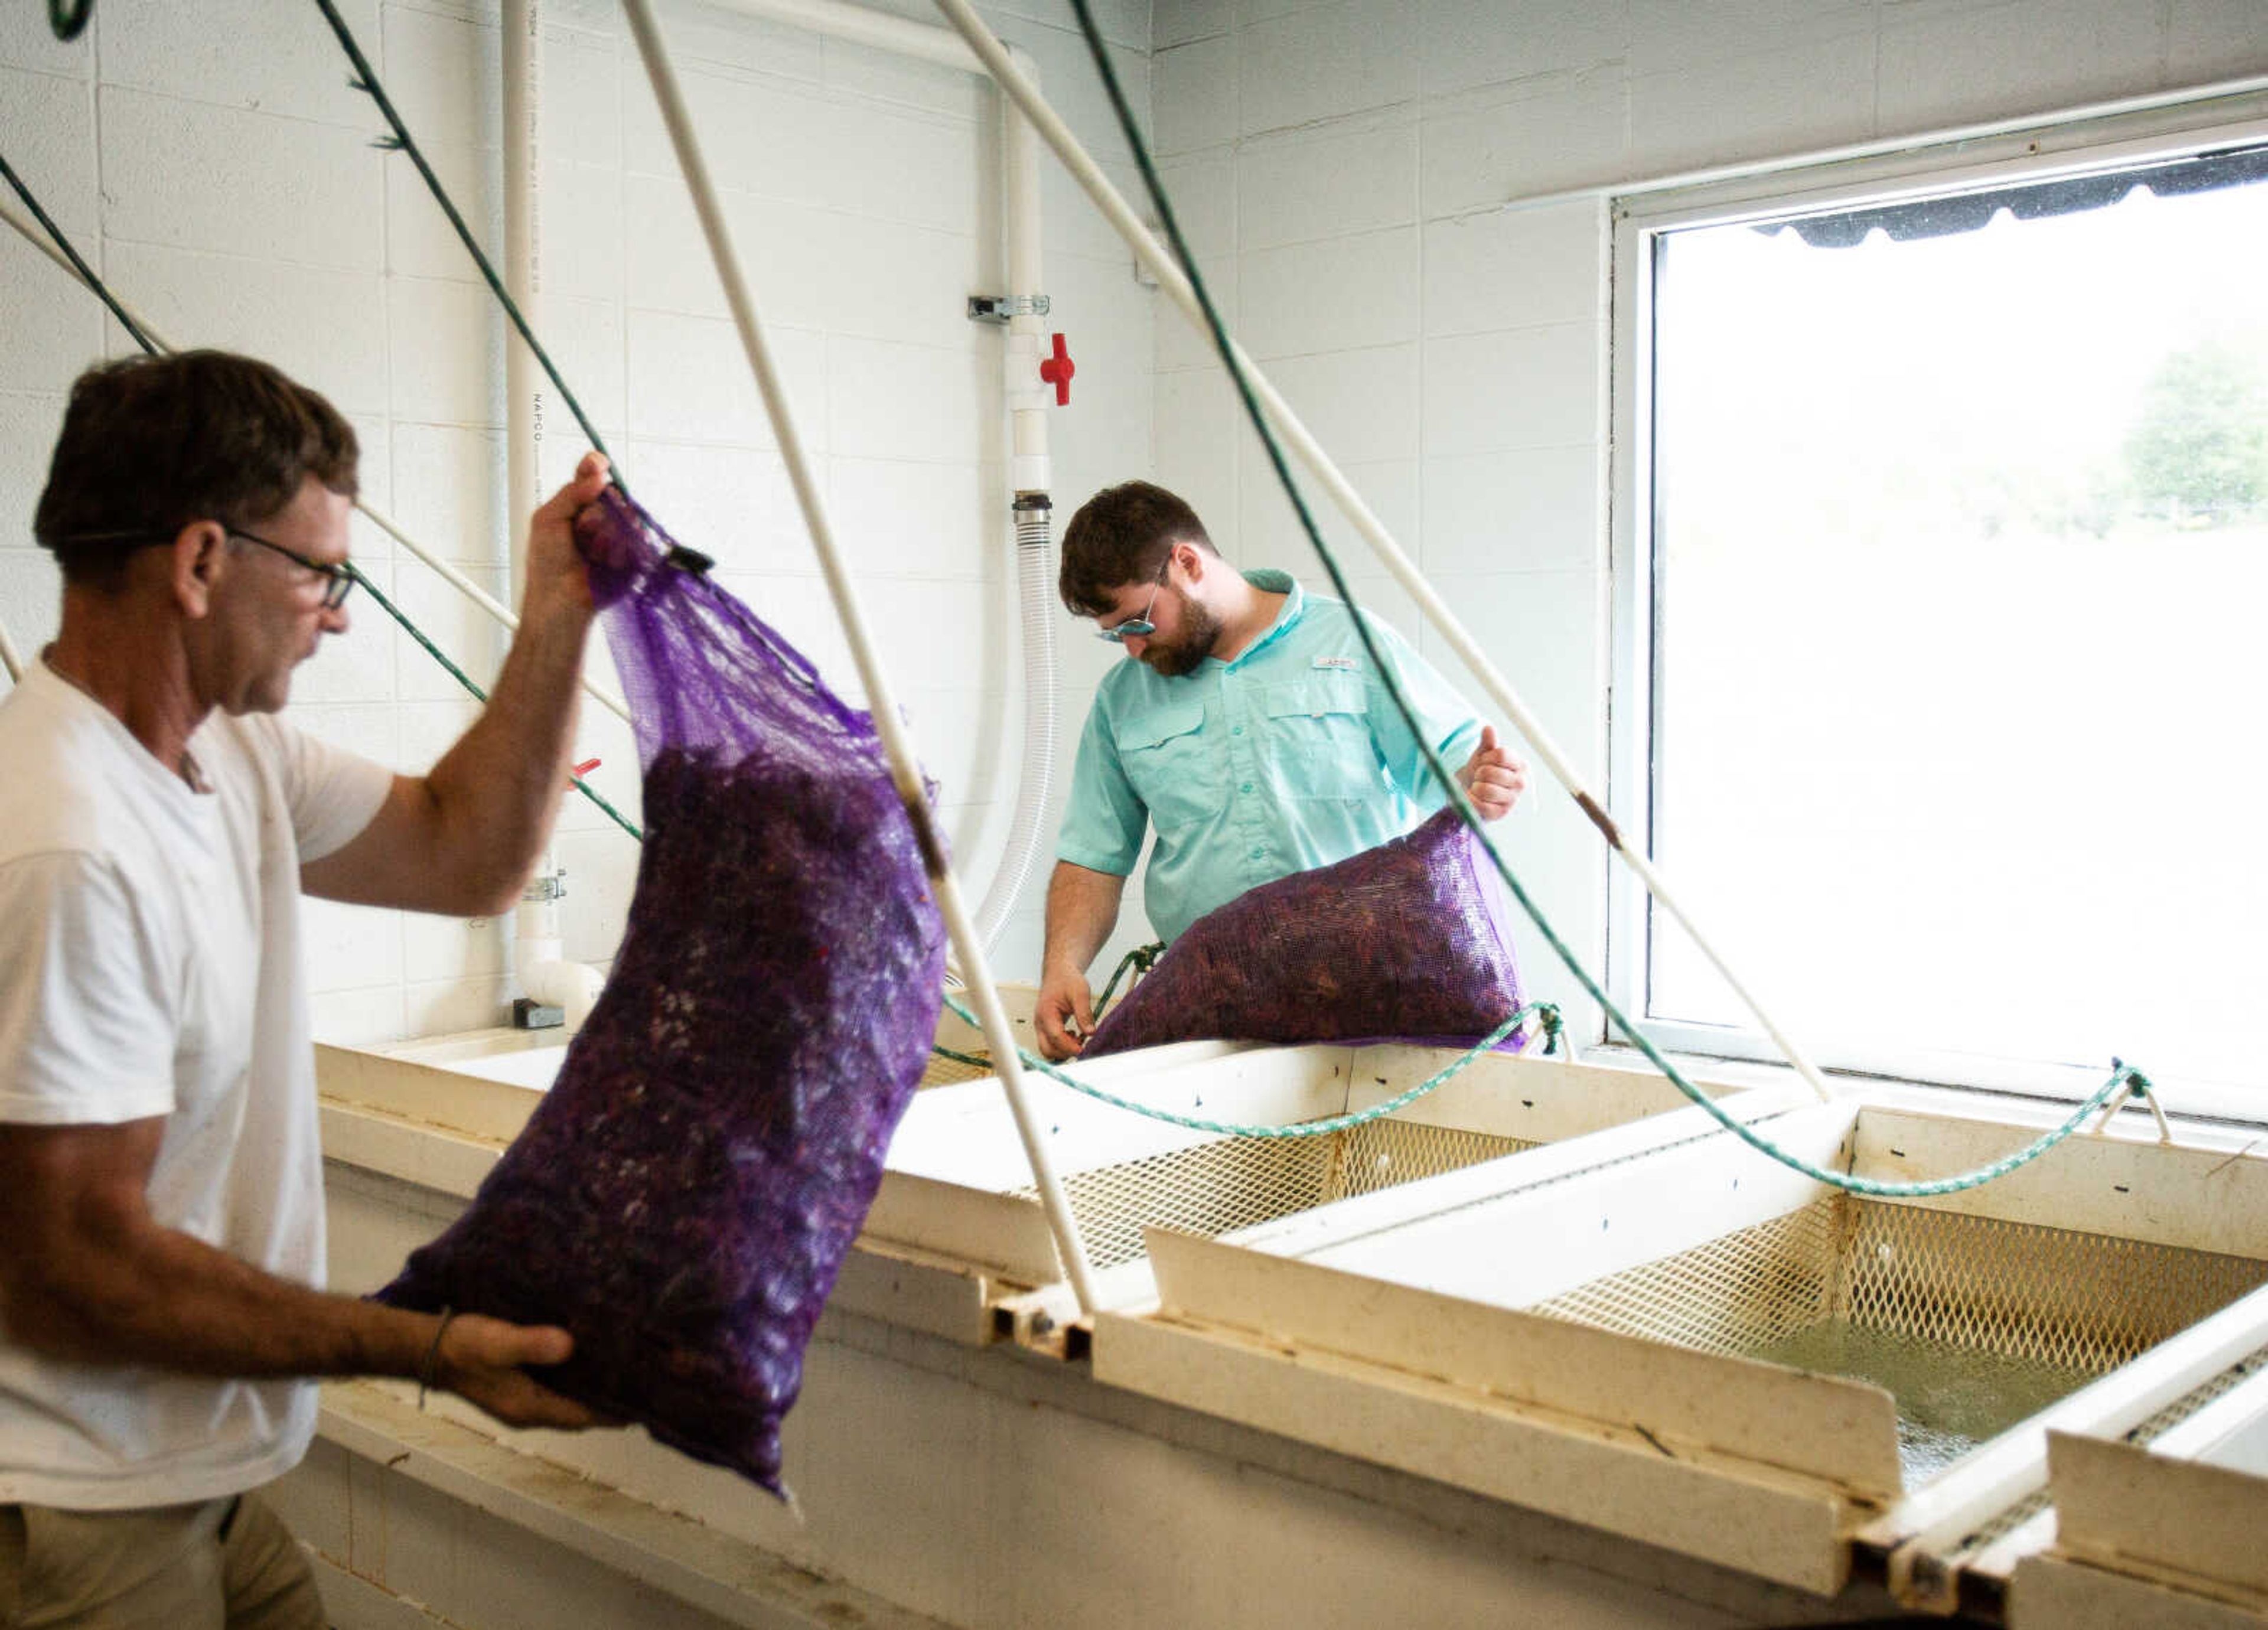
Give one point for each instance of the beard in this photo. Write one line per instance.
(1200, 631)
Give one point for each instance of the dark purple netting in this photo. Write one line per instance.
(683, 1197)
(1408, 942)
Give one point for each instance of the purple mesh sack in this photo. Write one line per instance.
(1408, 942)
(682, 1199)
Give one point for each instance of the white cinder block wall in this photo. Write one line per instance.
(1342, 169)
(208, 158)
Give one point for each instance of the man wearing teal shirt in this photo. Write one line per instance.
(1251, 729)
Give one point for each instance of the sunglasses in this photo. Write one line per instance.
(1137, 627)
(339, 575)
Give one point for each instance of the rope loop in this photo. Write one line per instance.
(1140, 960)
(69, 21)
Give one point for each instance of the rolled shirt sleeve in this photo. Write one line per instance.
(1444, 717)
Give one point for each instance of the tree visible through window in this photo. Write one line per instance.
(1961, 560)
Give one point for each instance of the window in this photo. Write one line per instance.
(1943, 642)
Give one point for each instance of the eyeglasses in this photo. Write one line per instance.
(339, 577)
(1139, 627)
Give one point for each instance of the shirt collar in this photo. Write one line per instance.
(1269, 580)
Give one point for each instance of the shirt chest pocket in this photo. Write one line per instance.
(1173, 766)
(1318, 737)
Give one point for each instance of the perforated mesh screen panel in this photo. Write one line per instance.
(2084, 1301)
(1217, 1188)
(944, 1071)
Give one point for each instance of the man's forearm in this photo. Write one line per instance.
(498, 788)
(144, 1294)
(1082, 910)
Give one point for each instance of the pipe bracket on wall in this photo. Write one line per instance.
(1002, 308)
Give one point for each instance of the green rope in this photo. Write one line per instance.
(85, 272)
(366, 81)
(2123, 1081)
(1141, 959)
(469, 683)
(1295, 1129)
(151, 347)
(69, 21)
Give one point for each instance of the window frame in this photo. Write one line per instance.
(1636, 222)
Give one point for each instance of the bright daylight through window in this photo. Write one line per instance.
(1960, 623)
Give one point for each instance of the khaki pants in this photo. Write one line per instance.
(225, 1565)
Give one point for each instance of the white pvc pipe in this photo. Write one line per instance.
(862, 25)
(1297, 436)
(539, 944)
(904, 772)
(448, 573)
(1029, 477)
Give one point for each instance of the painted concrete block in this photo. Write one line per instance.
(1518, 510)
(1068, 77)
(419, 240)
(326, 328)
(441, 74)
(1340, 294)
(919, 168)
(1941, 66)
(2210, 39)
(26, 42)
(1196, 94)
(666, 263)
(1362, 405)
(449, 486)
(1528, 387)
(689, 381)
(356, 1018)
(195, 177)
(447, 352)
(732, 503)
(1200, 426)
(54, 328)
(719, 38)
(1338, 59)
(890, 400)
(49, 121)
(886, 78)
(1518, 267)
(1181, 22)
(1349, 176)
(470, 637)
(581, 100)
(1204, 187)
(1817, 94)
(1467, 45)
(1490, 147)
(349, 947)
(1268, 531)
(895, 516)
(1665, 34)
(247, 54)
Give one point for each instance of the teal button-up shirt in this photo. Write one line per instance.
(1292, 756)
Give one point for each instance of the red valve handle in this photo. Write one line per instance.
(1057, 371)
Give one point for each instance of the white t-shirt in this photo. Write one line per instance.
(150, 964)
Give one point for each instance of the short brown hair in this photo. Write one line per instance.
(150, 444)
(1121, 535)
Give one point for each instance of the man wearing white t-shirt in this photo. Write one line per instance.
(161, 1305)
